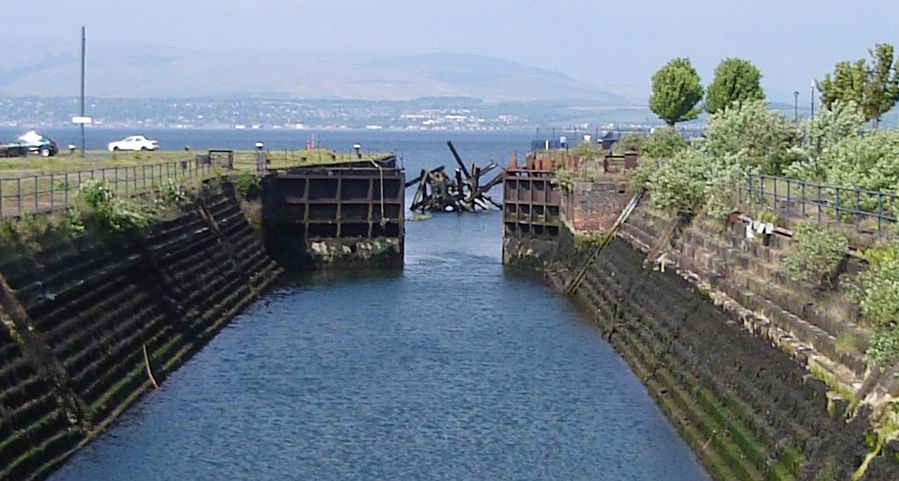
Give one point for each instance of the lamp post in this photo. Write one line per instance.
(813, 98)
(796, 106)
(260, 157)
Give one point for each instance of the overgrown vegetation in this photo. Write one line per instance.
(663, 143)
(248, 184)
(815, 254)
(752, 136)
(878, 296)
(101, 210)
(590, 239)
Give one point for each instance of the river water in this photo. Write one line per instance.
(455, 368)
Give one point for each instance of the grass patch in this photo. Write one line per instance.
(847, 344)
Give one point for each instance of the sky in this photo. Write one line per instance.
(599, 41)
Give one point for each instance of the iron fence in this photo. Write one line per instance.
(41, 193)
(866, 209)
(33, 194)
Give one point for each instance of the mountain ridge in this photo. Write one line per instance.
(40, 67)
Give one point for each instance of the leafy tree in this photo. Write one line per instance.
(736, 80)
(821, 133)
(874, 88)
(676, 91)
(870, 162)
(752, 135)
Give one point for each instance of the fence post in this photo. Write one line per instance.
(65, 195)
(37, 190)
(803, 197)
(1, 198)
(789, 201)
(762, 191)
(858, 208)
(52, 193)
(19, 196)
(837, 210)
(879, 209)
(818, 201)
(774, 195)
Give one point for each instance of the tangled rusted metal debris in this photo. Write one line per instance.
(461, 192)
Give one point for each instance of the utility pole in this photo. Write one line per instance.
(813, 99)
(83, 45)
(795, 106)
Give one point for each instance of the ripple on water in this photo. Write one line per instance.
(452, 370)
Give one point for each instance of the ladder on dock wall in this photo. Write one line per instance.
(656, 249)
(578, 276)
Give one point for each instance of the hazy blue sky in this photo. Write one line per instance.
(604, 41)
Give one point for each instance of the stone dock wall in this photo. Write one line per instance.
(83, 319)
(736, 387)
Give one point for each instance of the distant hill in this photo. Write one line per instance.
(44, 68)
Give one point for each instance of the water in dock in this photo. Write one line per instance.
(454, 368)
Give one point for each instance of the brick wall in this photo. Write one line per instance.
(591, 206)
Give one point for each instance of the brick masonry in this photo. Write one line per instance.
(591, 206)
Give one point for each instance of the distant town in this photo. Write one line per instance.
(456, 113)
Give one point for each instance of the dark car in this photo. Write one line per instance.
(30, 143)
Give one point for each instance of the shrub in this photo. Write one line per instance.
(878, 296)
(663, 143)
(248, 184)
(815, 254)
(639, 177)
(173, 193)
(101, 210)
(680, 184)
(722, 185)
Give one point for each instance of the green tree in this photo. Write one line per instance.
(753, 136)
(736, 80)
(874, 88)
(676, 91)
(821, 133)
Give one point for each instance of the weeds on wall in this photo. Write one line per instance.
(815, 255)
(101, 210)
(877, 292)
(248, 184)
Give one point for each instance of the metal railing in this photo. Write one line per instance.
(41, 193)
(34, 194)
(866, 209)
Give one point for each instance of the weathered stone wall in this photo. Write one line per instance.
(592, 206)
(749, 409)
(796, 317)
(79, 315)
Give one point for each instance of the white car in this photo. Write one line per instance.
(135, 142)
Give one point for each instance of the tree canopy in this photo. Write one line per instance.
(873, 87)
(736, 80)
(676, 91)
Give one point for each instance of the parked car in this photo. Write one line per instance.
(135, 142)
(30, 142)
